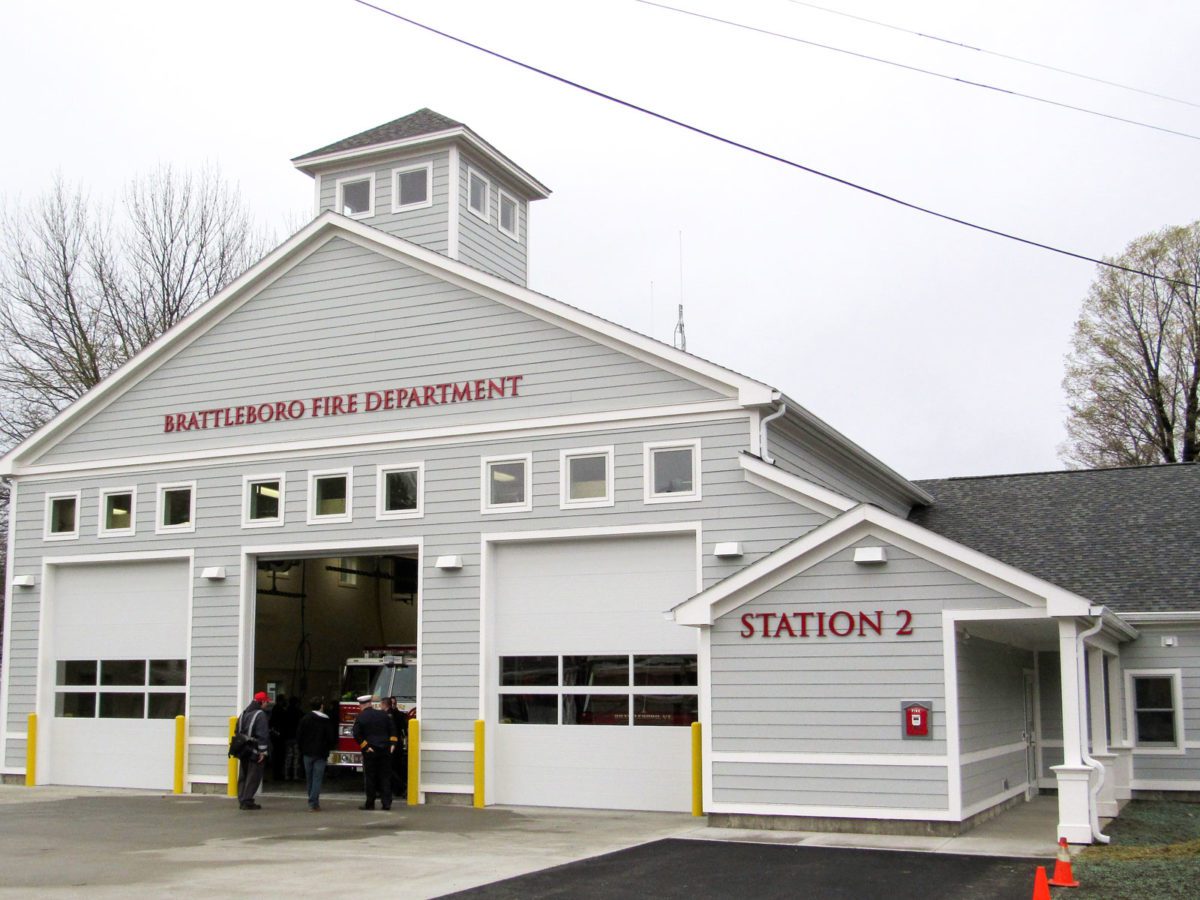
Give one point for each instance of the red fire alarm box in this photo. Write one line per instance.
(915, 718)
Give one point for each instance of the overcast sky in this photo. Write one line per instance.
(938, 349)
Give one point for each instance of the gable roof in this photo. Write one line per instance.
(1125, 538)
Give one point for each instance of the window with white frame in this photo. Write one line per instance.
(329, 496)
(478, 194)
(586, 477)
(672, 471)
(176, 508)
(603, 689)
(509, 215)
(356, 196)
(120, 688)
(117, 512)
(398, 491)
(1155, 708)
(62, 516)
(412, 187)
(506, 485)
(348, 571)
(262, 505)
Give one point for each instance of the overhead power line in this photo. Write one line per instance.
(1017, 59)
(921, 71)
(695, 129)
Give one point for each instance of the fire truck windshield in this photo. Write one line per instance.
(358, 680)
(396, 681)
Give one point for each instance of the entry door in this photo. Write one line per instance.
(1030, 734)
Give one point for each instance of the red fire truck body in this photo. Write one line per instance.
(380, 671)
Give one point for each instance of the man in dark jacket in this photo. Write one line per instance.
(376, 738)
(400, 755)
(253, 724)
(316, 735)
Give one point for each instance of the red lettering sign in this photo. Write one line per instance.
(840, 623)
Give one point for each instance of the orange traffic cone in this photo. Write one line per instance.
(1062, 867)
(1041, 887)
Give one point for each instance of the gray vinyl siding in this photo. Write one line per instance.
(428, 227)
(731, 510)
(907, 787)
(1147, 652)
(991, 714)
(1050, 731)
(483, 244)
(347, 320)
(839, 695)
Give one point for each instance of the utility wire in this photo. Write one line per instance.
(695, 129)
(899, 65)
(996, 53)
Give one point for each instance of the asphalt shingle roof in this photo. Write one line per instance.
(423, 121)
(1126, 538)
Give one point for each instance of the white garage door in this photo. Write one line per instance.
(116, 673)
(592, 689)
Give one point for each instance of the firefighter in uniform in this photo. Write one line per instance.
(376, 737)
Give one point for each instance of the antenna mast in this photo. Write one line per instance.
(679, 339)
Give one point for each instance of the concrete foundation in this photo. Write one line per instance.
(436, 799)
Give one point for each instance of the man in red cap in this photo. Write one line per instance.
(253, 724)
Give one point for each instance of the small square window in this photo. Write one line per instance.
(412, 188)
(672, 472)
(117, 512)
(264, 501)
(356, 196)
(506, 484)
(587, 477)
(508, 216)
(62, 516)
(329, 496)
(478, 190)
(176, 508)
(398, 491)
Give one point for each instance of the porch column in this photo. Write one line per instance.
(1121, 746)
(1106, 800)
(1074, 817)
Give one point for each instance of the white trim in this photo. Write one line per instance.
(454, 204)
(403, 441)
(648, 451)
(486, 507)
(793, 487)
(562, 534)
(159, 509)
(486, 213)
(310, 502)
(316, 194)
(904, 760)
(247, 481)
(381, 473)
(833, 812)
(995, 799)
(976, 756)
(1161, 784)
(208, 779)
(1161, 618)
(6, 637)
(353, 179)
(208, 741)
(47, 535)
(501, 196)
(102, 513)
(564, 478)
(448, 746)
(397, 206)
(11, 770)
(953, 739)
(446, 788)
(1176, 675)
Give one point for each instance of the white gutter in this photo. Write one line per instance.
(762, 434)
(1084, 724)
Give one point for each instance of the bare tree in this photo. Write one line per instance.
(1133, 374)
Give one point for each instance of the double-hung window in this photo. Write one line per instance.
(1155, 709)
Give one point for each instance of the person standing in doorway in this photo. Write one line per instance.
(316, 735)
(253, 724)
(376, 738)
(399, 756)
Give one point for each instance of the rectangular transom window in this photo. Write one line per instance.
(601, 689)
(506, 483)
(587, 477)
(62, 516)
(329, 496)
(1156, 701)
(509, 218)
(672, 471)
(263, 504)
(120, 688)
(117, 512)
(176, 508)
(412, 187)
(356, 196)
(478, 194)
(398, 491)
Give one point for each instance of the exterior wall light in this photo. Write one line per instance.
(449, 563)
(870, 556)
(728, 550)
(213, 573)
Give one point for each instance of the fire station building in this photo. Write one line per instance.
(378, 435)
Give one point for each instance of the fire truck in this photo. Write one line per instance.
(384, 672)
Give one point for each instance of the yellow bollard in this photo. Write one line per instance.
(232, 769)
(31, 751)
(479, 764)
(697, 773)
(180, 753)
(414, 761)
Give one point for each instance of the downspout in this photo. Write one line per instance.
(1085, 726)
(762, 434)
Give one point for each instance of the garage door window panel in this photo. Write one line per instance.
(596, 671)
(665, 709)
(62, 517)
(529, 709)
(120, 688)
(665, 669)
(120, 705)
(595, 709)
(164, 706)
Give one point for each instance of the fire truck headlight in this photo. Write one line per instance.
(345, 731)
